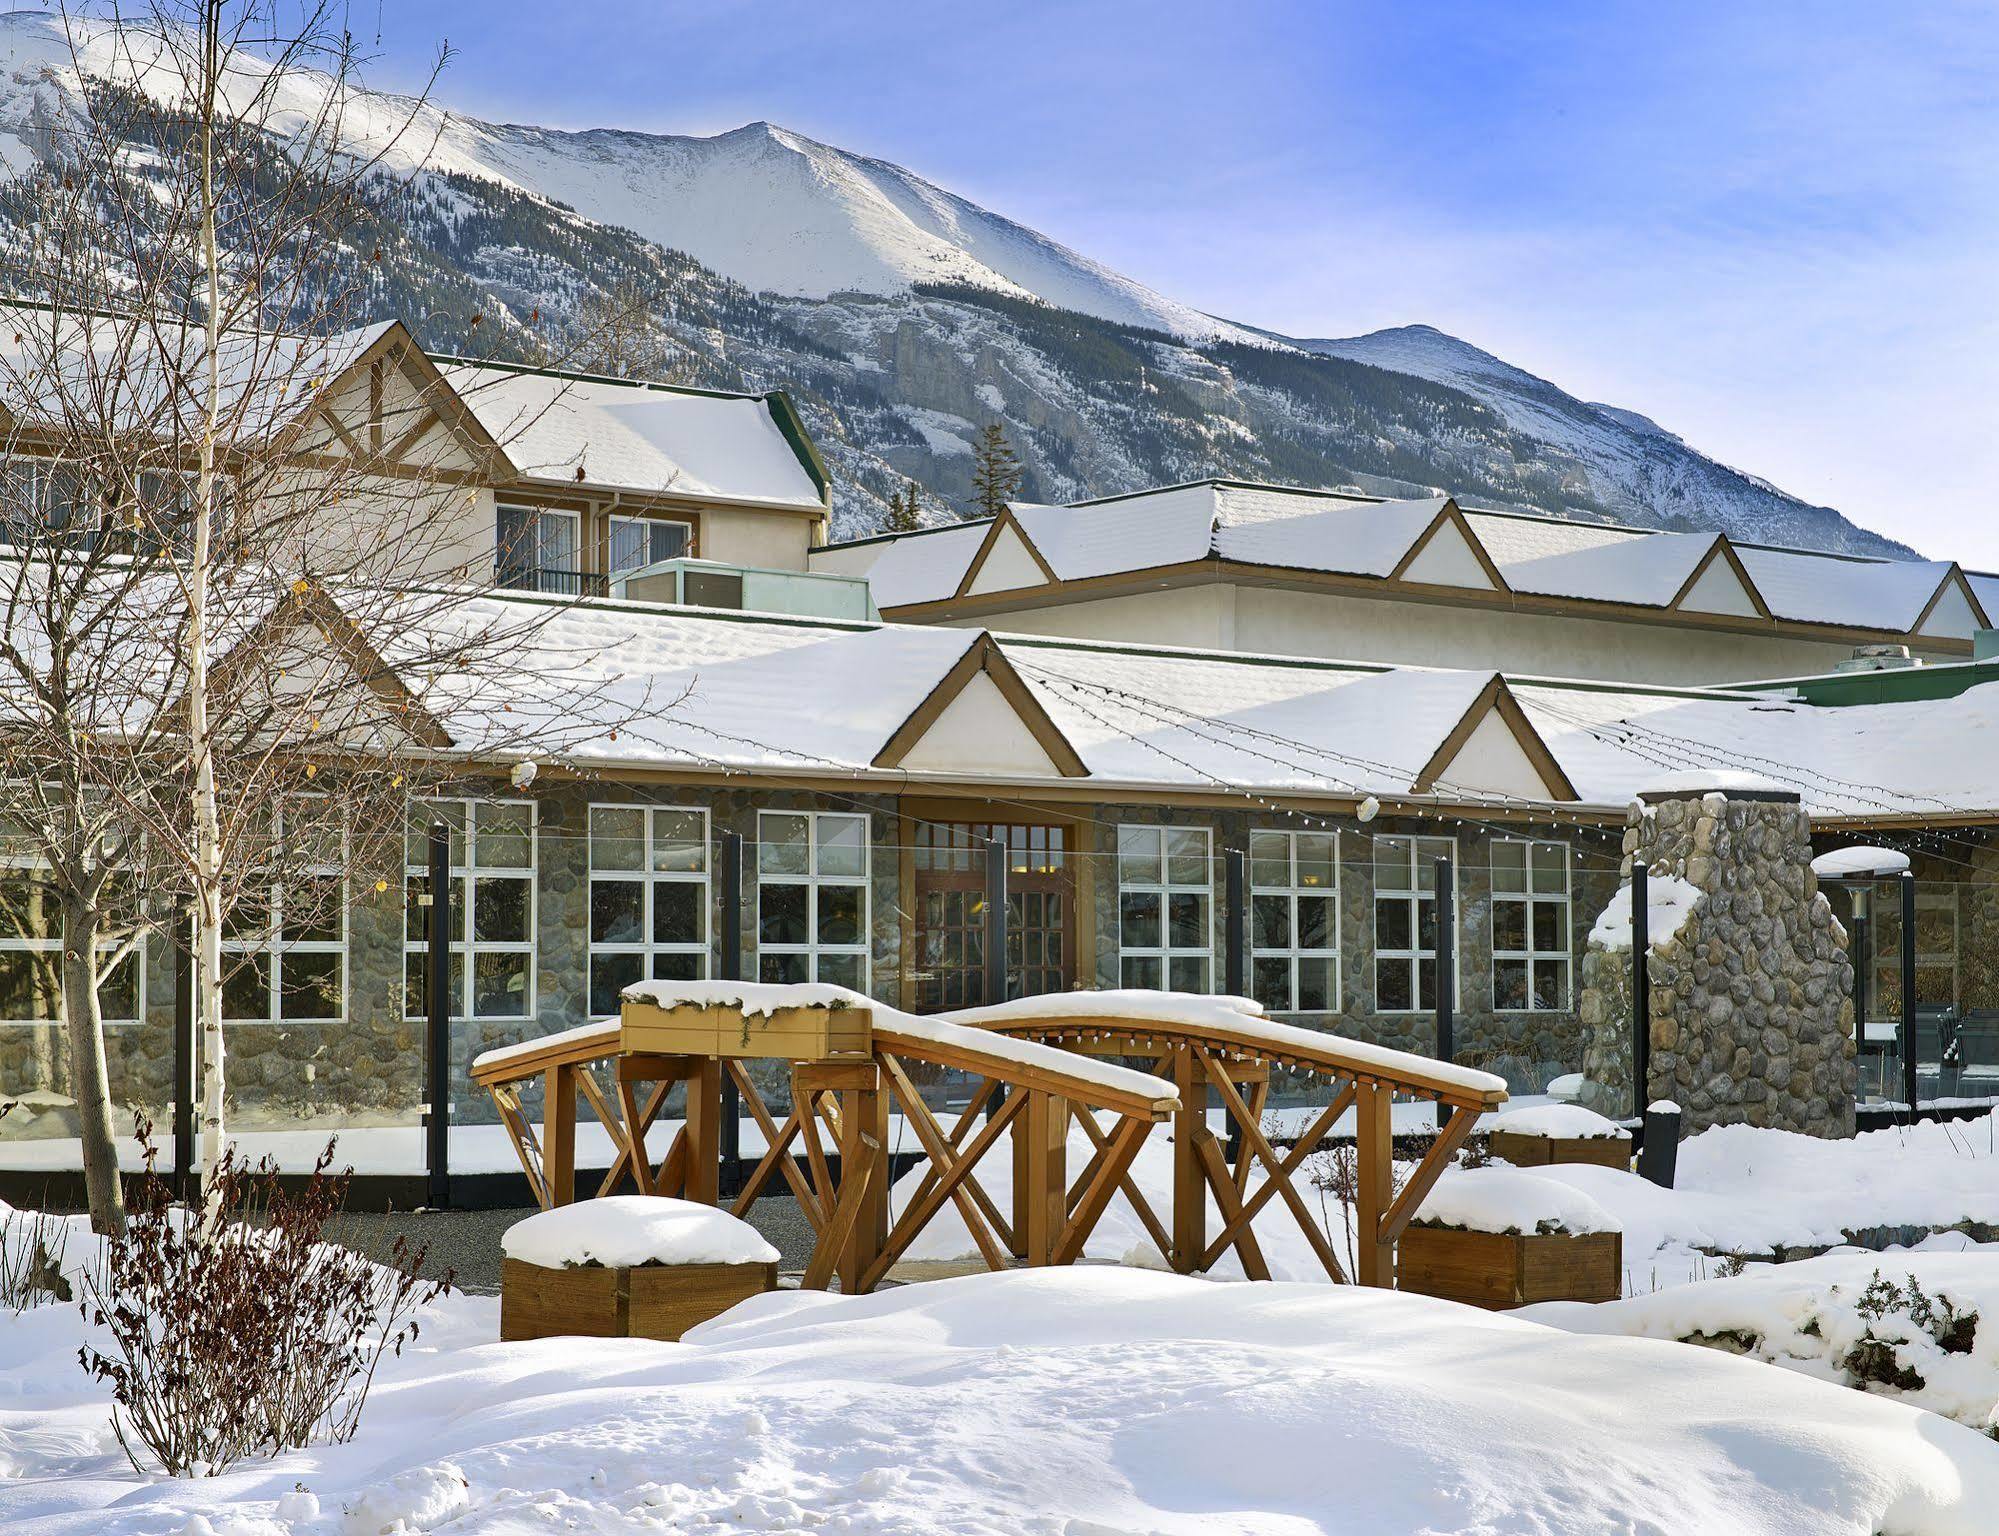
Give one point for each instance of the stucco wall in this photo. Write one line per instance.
(1304, 623)
(741, 536)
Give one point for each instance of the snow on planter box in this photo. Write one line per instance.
(1498, 1237)
(1559, 1133)
(804, 1022)
(641, 1266)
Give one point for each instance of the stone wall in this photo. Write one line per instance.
(368, 1070)
(1751, 996)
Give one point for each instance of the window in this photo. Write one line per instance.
(1936, 947)
(1294, 940)
(1165, 893)
(492, 908)
(539, 549)
(641, 541)
(1530, 925)
(812, 897)
(287, 942)
(648, 898)
(1405, 921)
(31, 948)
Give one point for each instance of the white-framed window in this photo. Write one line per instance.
(31, 950)
(492, 913)
(1294, 904)
(1166, 893)
(285, 943)
(648, 898)
(642, 541)
(539, 549)
(1405, 921)
(1530, 925)
(812, 897)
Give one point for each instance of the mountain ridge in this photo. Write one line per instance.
(905, 317)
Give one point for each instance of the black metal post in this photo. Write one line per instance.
(1909, 996)
(1641, 988)
(1659, 1152)
(731, 969)
(184, 1057)
(1447, 959)
(437, 1127)
(1235, 925)
(996, 921)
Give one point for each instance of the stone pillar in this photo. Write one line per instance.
(1752, 988)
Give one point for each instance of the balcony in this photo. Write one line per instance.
(558, 580)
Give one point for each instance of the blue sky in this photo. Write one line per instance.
(1772, 227)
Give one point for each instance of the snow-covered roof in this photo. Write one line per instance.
(626, 685)
(1343, 533)
(640, 437)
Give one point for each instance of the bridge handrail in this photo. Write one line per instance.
(1290, 1045)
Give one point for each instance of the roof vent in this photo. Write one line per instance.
(1877, 658)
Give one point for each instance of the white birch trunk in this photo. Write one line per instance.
(207, 823)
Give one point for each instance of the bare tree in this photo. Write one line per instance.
(238, 518)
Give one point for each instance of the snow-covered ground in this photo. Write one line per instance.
(1087, 1402)
(1936, 1346)
(1740, 1190)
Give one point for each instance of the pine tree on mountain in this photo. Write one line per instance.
(905, 510)
(996, 472)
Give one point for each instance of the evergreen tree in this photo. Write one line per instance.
(905, 510)
(996, 472)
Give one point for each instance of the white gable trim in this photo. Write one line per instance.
(1719, 590)
(1448, 560)
(979, 732)
(1953, 617)
(1492, 761)
(1009, 565)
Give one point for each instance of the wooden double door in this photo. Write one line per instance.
(950, 867)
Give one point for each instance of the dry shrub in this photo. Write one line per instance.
(246, 1334)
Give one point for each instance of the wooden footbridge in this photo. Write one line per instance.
(1037, 1067)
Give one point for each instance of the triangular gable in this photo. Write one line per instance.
(1005, 561)
(1449, 555)
(981, 718)
(1494, 749)
(1953, 612)
(390, 407)
(1720, 585)
(314, 612)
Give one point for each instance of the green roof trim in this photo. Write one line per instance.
(1890, 685)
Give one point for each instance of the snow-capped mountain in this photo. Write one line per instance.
(904, 317)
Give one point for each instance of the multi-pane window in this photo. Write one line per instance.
(648, 898)
(642, 541)
(1165, 896)
(285, 941)
(491, 917)
(31, 948)
(539, 549)
(812, 897)
(1936, 948)
(1530, 925)
(1405, 921)
(1294, 882)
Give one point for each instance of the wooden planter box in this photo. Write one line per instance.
(1524, 1151)
(652, 1301)
(1499, 1269)
(795, 1034)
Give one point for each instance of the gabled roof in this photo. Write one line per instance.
(570, 429)
(1703, 575)
(630, 686)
